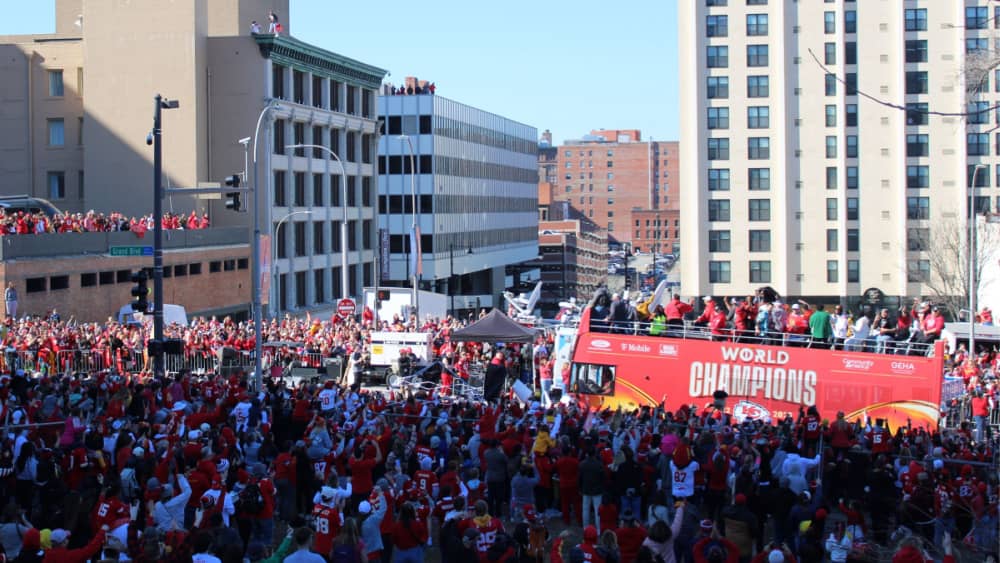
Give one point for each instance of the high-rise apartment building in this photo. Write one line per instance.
(609, 174)
(812, 157)
(468, 178)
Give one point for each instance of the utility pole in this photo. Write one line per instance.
(159, 104)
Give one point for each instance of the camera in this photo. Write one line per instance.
(149, 139)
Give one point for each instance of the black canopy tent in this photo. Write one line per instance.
(494, 327)
(497, 327)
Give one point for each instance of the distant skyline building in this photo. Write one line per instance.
(610, 174)
(793, 179)
(476, 195)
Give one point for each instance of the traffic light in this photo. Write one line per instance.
(628, 279)
(140, 292)
(233, 198)
(383, 295)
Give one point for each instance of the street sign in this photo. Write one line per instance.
(346, 307)
(131, 251)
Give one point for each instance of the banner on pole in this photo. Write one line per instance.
(383, 254)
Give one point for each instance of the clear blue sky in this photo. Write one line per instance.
(565, 66)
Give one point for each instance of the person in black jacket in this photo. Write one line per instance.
(496, 376)
(591, 487)
(628, 483)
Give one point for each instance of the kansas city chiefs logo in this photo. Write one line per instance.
(748, 410)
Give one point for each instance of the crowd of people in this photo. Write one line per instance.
(26, 223)
(119, 464)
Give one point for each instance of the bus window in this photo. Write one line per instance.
(592, 379)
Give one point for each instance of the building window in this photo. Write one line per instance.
(982, 178)
(56, 89)
(916, 82)
(918, 176)
(852, 178)
(831, 115)
(758, 148)
(851, 146)
(759, 209)
(756, 2)
(850, 52)
(718, 241)
(717, 26)
(850, 21)
(852, 209)
(918, 271)
(831, 146)
(916, 113)
(716, 2)
(718, 118)
(977, 144)
(719, 271)
(279, 188)
(915, 19)
(853, 240)
(851, 115)
(831, 209)
(918, 239)
(758, 117)
(831, 177)
(830, 53)
(918, 208)
(760, 179)
(57, 185)
(760, 271)
(760, 241)
(979, 113)
(976, 17)
(853, 271)
(830, 84)
(917, 145)
(758, 86)
(718, 179)
(832, 240)
(757, 55)
(718, 87)
(57, 132)
(916, 50)
(718, 210)
(832, 271)
(756, 24)
(829, 22)
(851, 84)
(718, 149)
(718, 56)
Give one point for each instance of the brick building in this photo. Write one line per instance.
(609, 174)
(573, 261)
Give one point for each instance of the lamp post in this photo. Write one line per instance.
(160, 103)
(274, 252)
(972, 261)
(343, 224)
(413, 227)
(451, 274)
(255, 283)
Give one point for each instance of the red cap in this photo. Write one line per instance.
(741, 498)
(590, 534)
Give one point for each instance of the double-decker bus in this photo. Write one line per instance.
(763, 381)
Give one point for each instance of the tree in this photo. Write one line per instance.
(947, 278)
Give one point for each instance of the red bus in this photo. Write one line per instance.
(762, 381)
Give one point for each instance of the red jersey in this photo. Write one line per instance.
(879, 440)
(327, 521)
(590, 554)
(108, 511)
(811, 426)
(425, 480)
(488, 530)
(361, 475)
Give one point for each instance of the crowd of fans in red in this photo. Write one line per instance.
(117, 462)
(26, 223)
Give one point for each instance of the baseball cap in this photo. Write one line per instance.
(364, 507)
(59, 536)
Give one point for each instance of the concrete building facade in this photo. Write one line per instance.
(473, 196)
(83, 99)
(793, 178)
(609, 174)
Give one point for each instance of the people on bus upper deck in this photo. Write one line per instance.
(676, 309)
(862, 327)
(707, 312)
(931, 327)
(840, 322)
(820, 328)
(986, 317)
(619, 313)
(884, 330)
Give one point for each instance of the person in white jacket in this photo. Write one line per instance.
(168, 512)
(839, 544)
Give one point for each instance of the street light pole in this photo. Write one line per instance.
(972, 262)
(274, 252)
(344, 292)
(413, 227)
(451, 278)
(160, 103)
(255, 283)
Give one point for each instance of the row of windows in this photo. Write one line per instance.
(459, 130)
(403, 204)
(758, 117)
(711, 3)
(718, 25)
(319, 278)
(718, 56)
(112, 277)
(299, 190)
(720, 271)
(720, 241)
(758, 86)
(401, 243)
(344, 102)
(352, 140)
(917, 208)
(319, 229)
